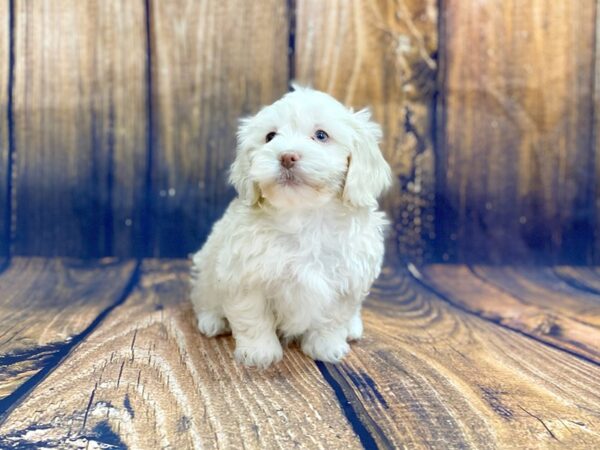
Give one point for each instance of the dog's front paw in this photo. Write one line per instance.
(325, 347)
(212, 324)
(259, 353)
(355, 328)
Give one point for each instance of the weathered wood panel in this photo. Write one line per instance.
(44, 305)
(382, 54)
(147, 379)
(212, 62)
(4, 127)
(594, 183)
(586, 278)
(542, 287)
(516, 155)
(549, 310)
(80, 127)
(427, 375)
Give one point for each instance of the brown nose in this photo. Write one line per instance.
(289, 159)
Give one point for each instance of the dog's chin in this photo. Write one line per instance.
(291, 191)
(290, 179)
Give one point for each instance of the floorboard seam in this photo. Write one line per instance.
(10, 402)
(364, 435)
(9, 204)
(419, 279)
(291, 13)
(576, 284)
(146, 248)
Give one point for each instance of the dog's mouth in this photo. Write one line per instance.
(289, 178)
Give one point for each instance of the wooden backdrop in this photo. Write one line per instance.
(117, 118)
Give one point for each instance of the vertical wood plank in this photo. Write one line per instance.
(382, 54)
(4, 140)
(80, 127)
(595, 183)
(516, 156)
(212, 62)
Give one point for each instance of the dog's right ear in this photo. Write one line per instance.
(239, 175)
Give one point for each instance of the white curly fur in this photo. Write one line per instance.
(296, 253)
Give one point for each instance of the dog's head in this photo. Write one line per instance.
(307, 149)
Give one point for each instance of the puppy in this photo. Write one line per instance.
(296, 252)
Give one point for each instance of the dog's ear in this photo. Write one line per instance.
(239, 175)
(368, 173)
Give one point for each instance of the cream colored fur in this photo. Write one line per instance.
(295, 254)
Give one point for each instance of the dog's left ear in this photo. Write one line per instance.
(368, 173)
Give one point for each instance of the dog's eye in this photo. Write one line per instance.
(321, 135)
(269, 137)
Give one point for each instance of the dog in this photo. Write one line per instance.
(296, 252)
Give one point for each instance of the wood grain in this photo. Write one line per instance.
(80, 127)
(594, 214)
(4, 127)
(382, 54)
(564, 318)
(212, 62)
(516, 155)
(586, 278)
(147, 379)
(541, 287)
(45, 304)
(427, 375)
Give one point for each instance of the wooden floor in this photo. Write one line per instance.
(106, 355)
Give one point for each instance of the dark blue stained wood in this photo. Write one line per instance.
(5, 60)
(212, 62)
(48, 306)
(594, 185)
(516, 157)
(79, 127)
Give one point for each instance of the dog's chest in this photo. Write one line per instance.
(328, 248)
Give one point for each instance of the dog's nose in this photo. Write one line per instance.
(289, 159)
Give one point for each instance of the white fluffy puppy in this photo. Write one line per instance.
(296, 253)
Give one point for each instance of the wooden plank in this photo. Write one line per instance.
(541, 287)
(516, 157)
(4, 127)
(586, 278)
(80, 127)
(427, 375)
(147, 379)
(542, 314)
(382, 54)
(212, 62)
(596, 166)
(44, 305)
